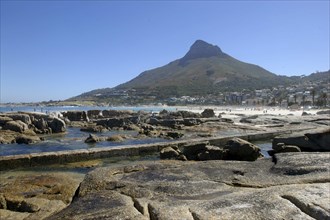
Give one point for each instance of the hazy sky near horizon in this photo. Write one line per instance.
(53, 50)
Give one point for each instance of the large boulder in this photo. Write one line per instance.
(93, 114)
(76, 115)
(239, 149)
(208, 113)
(17, 126)
(57, 125)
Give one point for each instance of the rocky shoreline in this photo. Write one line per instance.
(201, 175)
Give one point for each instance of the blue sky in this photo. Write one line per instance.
(53, 50)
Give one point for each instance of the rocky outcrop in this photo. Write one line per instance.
(76, 115)
(22, 127)
(316, 141)
(36, 196)
(293, 188)
(239, 149)
(208, 113)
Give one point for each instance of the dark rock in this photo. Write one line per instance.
(191, 121)
(94, 114)
(321, 139)
(112, 122)
(208, 113)
(174, 134)
(57, 125)
(26, 139)
(191, 151)
(92, 139)
(324, 112)
(40, 124)
(76, 115)
(282, 148)
(316, 141)
(211, 153)
(305, 114)
(239, 149)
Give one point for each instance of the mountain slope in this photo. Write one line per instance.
(204, 69)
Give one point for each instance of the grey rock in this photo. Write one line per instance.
(239, 149)
(169, 153)
(208, 113)
(207, 190)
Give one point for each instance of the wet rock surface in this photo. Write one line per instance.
(295, 187)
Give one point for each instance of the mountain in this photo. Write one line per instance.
(205, 69)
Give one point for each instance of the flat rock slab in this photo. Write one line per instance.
(296, 187)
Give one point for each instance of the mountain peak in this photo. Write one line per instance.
(202, 49)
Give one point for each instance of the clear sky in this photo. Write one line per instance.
(53, 50)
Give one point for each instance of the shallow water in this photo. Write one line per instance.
(72, 140)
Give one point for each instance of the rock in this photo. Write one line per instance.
(325, 112)
(208, 113)
(37, 195)
(4, 120)
(8, 137)
(169, 153)
(22, 117)
(116, 113)
(40, 124)
(207, 190)
(191, 151)
(321, 139)
(305, 114)
(76, 115)
(282, 148)
(239, 149)
(94, 114)
(57, 125)
(191, 121)
(27, 139)
(94, 128)
(17, 126)
(211, 153)
(316, 141)
(112, 122)
(174, 134)
(116, 138)
(248, 119)
(92, 139)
